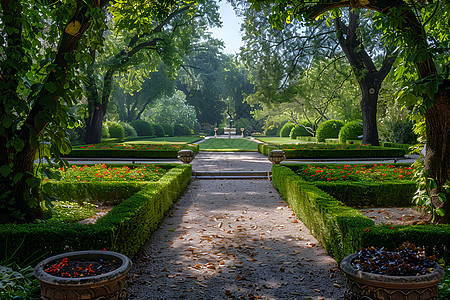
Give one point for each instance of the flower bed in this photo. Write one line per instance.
(102, 172)
(137, 150)
(320, 150)
(360, 173)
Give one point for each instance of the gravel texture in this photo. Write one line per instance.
(233, 239)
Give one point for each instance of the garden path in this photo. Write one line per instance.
(233, 239)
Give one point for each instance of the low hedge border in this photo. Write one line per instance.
(332, 153)
(124, 229)
(343, 230)
(118, 153)
(397, 193)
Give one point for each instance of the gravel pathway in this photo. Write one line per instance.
(233, 239)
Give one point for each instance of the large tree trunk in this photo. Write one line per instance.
(94, 125)
(19, 202)
(369, 103)
(437, 159)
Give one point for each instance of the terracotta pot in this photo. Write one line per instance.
(366, 286)
(111, 285)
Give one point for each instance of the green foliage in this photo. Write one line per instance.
(304, 128)
(286, 129)
(116, 231)
(71, 212)
(18, 283)
(116, 131)
(159, 130)
(353, 130)
(329, 129)
(130, 132)
(105, 131)
(181, 129)
(168, 129)
(400, 132)
(143, 128)
(271, 130)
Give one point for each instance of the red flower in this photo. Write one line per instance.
(367, 229)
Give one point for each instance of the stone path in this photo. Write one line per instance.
(233, 239)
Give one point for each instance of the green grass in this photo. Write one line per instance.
(234, 145)
(278, 140)
(167, 140)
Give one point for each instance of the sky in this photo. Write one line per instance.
(229, 33)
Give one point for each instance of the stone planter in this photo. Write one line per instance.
(366, 286)
(110, 285)
(276, 156)
(186, 156)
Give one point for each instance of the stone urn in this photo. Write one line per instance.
(186, 156)
(110, 285)
(276, 156)
(367, 286)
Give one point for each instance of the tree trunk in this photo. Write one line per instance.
(369, 103)
(437, 159)
(19, 201)
(94, 125)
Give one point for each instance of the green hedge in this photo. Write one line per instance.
(119, 153)
(343, 230)
(336, 226)
(396, 145)
(349, 153)
(124, 229)
(332, 153)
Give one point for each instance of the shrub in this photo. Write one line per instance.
(329, 130)
(105, 131)
(130, 132)
(116, 131)
(159, 130)
(143, 128)
(168, 129)
(351, 131)
(181, 129)
(271, 131)
(300, 130)
(286, 129)
(400, 132)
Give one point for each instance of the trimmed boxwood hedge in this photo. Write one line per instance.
(124, 229)
(121, 153)
(343, 230)
(332, 153)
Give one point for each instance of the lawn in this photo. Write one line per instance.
(166, 139)
(222, 145)
(278, 140)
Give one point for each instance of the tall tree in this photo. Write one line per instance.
(422, 29)
(163, 37)
(38, 85)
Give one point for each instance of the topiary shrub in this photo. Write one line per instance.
(116, 131)
(168, 129)
(353, 130)
(271, 131)
(286, 129)
(300, 130)
(143, 128)
(329, 130)
(159, 130)
(130, 132)
(105, 131)
(181, 129)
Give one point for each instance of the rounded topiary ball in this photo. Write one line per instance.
(286, 129)
(351, 131)
(159, 130)
(300, 130)
(130, 132)
(181, 129)
(116, 131)
(143, 128)
(168, 129)
(329, 130)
